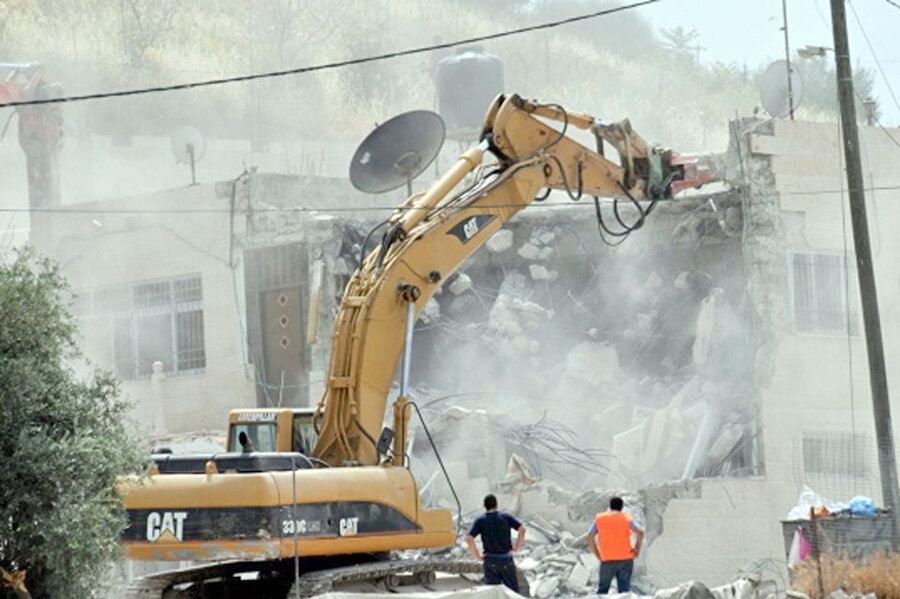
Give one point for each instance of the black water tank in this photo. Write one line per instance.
(467, 82)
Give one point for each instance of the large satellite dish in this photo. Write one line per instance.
(397, 151)
(773, 88)
(189, 146)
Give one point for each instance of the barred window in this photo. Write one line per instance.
(822, 285)
(834, 454)
(147, 322)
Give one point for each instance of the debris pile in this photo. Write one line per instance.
(189, 443)
(554, 563)
(562, 566)
(739, 589)
(556, 558)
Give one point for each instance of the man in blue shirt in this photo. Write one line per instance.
(494, 528)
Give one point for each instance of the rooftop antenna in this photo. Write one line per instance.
(189, 146)
(787, 58)
(397, 151)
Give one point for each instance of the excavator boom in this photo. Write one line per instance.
(431, 235)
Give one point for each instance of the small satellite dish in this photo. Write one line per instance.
(773, 88)
(397, 151)
(189, 146)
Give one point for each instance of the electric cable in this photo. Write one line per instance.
(643, 214)
(880, 126)
(565, 179)
(365, 433)
(362, 250)
(892, 3)
(562, 132)
(577, 197)
(6, 125)
(602, 226)
(332, 65)
(875, 56)
(318, 461)
(437, 454)
(543, 197)
(847, 313)
(340, 210)
(886, 132)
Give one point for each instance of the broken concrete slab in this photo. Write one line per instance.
(578, 578)
(546, 587)
(688, 590)
(563, 559)
(460, 284)
(500, 241)
(546, 237)
(431, 313)
(541, 273)
(529, 251)
(528, 564)
(536, 535)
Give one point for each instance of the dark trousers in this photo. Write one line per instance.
(621, 570)
(501, 570)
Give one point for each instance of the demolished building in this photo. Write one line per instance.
(712, 345)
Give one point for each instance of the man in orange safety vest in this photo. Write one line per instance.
(610, 540)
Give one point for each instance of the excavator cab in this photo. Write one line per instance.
(272, 430)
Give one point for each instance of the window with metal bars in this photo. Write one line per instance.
(822, 286)
(147, 322)
(835, 454)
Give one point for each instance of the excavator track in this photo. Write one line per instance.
(389, 575)
(221, 579)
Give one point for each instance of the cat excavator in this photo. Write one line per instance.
(306, 499)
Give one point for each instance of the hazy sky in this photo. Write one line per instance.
(749, 31)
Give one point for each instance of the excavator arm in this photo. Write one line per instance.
(432, 234)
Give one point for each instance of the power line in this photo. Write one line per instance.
(886, 132)
(878, 122)
(332, 65)
(357, 209)
(846, 277)
(892, 3)
(875, 56)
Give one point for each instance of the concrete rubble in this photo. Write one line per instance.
(186, 443)
(739, 589)
(663, 355)
(500, 241)
(840, 594)
(556, 558)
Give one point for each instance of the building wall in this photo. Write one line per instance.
(810, 384)
(204, 231)
(151, 238)
(821, 380)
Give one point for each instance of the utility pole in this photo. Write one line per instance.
(787, 59)
(877, 377)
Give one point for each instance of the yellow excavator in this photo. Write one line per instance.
(306, 498)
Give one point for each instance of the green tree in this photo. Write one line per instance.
(63, 440)
(681, 42)
(820, 85)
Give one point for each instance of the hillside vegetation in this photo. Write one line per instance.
(613, 66)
